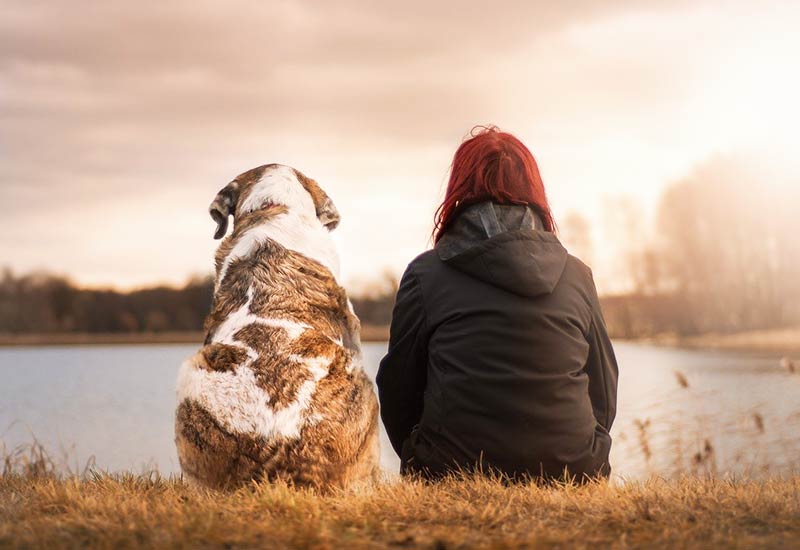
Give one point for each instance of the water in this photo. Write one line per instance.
(115, 404)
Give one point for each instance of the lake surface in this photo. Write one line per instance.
(114, 405)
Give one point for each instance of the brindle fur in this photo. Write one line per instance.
(339, 447)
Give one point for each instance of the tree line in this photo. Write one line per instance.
(46, 303)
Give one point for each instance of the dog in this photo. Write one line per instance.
(278, 391)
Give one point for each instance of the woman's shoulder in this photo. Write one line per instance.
(578, 268)
(579, 278)
(423, 267)
(423, 259)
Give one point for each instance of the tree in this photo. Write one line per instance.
(726, 244)
(576, 234)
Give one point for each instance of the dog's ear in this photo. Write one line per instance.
(327, 213)
(223, 206)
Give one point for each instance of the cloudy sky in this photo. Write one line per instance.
(119, 122)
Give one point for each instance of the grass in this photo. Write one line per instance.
(40, 509)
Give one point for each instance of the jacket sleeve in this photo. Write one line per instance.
(403, 372)
(601, 368)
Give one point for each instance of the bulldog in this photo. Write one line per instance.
(278, 391)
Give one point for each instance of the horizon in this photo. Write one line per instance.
(121, 126)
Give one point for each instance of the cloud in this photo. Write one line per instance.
(113, 109)
(251, 37)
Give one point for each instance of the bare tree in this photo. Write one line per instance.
(727, 243)
(576, 234)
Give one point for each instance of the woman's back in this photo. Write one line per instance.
(503, 319)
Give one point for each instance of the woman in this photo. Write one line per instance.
(498, 356)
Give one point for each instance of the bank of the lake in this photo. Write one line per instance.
(149, 512)
(369, 333)
(780, 342)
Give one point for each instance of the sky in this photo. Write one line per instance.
(120, 121)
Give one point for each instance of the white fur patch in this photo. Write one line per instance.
(279, 184)
(234, 398)
(236, 401)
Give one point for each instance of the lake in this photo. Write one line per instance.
(679, 411)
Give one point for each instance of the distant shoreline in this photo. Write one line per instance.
(369, 333)
(783, 342)
(779, 342)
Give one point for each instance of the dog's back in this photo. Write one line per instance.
(278, 390)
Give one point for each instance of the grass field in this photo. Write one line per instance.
(100, 511)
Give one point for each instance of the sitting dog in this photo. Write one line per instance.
(278, 390)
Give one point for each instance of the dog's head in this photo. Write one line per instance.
(272, 186)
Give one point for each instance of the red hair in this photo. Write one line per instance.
(496, 166)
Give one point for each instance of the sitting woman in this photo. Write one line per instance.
(498, 360)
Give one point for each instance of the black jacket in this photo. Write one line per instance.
(498, 355)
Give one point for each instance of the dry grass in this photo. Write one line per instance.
(39, 509)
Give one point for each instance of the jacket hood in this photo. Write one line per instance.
(505, 246)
